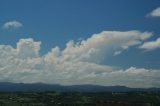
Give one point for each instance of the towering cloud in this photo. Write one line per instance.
(28, 48)
(104, 44)
(77, 63)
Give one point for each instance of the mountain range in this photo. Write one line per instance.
(41, 87)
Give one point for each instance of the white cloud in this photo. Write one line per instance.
(104, 44)
(77, 63)
(12, 25)
(155, 13)
(152, 45)
(28, 48)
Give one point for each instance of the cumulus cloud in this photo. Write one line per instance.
(77, 63)
(28, 48)
(155, 13)
(104, 44)
(152, 45)
(12, 25)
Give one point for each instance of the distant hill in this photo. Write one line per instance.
(24, 87)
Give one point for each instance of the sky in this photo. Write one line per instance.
(68, 42)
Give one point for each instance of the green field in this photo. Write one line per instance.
(79, 99)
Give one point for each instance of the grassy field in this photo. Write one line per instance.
(79, 99)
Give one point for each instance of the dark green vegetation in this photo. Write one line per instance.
(79, 99)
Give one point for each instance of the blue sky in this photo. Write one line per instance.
(56, 22)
